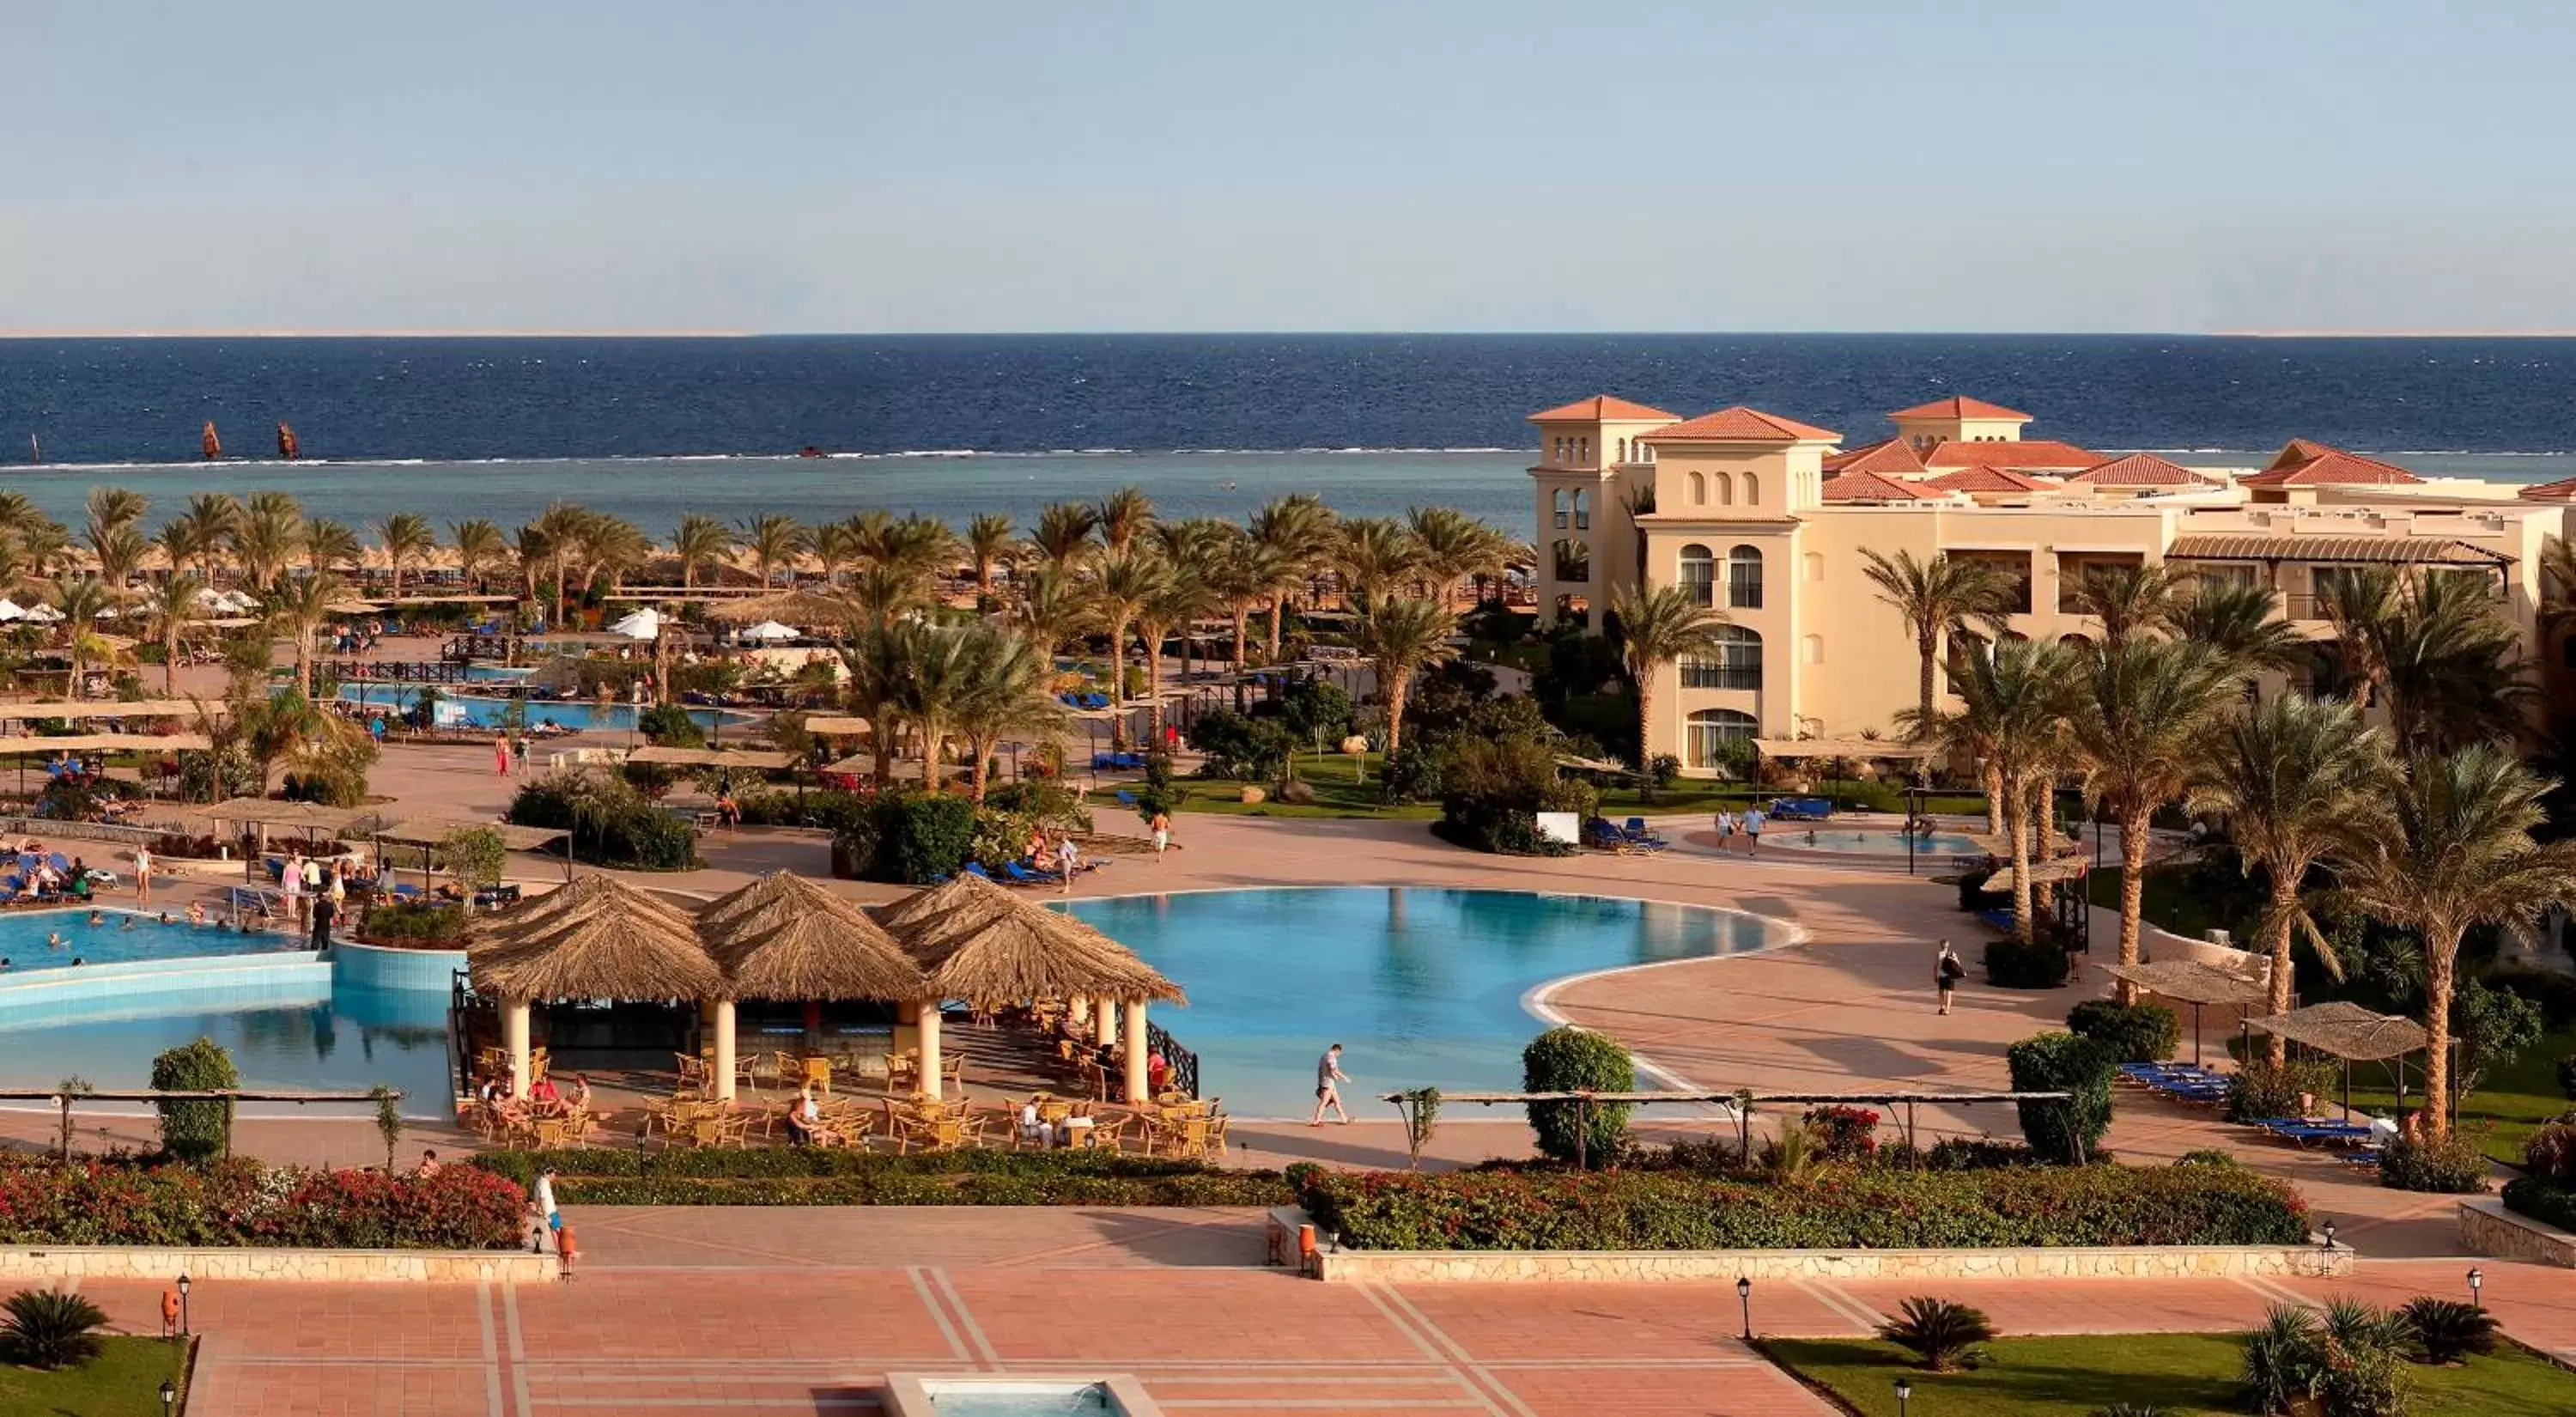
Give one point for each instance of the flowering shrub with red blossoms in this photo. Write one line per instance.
(119, 1201)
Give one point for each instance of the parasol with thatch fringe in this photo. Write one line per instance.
(784, 937)
(788, 607)
(980, 941)
(597, 938)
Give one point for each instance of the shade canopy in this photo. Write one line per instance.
(434, 831)
(2041, 873)
(835, 725)
(106, 708)
(749, 760)
(642, 624)
(791, 607)
(107, 743)
(262, 811)
(2189, 981)
(598, 938)
(770, 630)
(979, 940)
(2346, 1030)
(784, 937)
(1842, 748)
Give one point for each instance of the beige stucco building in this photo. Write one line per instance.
(1769, 518)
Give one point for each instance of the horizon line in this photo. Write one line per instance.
(684, 333)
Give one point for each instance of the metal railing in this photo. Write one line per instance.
(1180, 1065)
(394, 671)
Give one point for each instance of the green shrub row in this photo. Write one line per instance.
(2136, 1033)
(2542, 1201)
(1837, 1208)
(241, 1202)
(2452, 1166)
(817, 1176)
(2040, 964)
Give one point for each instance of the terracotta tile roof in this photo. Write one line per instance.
(2141, 470)
(2563, 490)
(1742, 425)
(2029, 454)
(1959, 407)
(1871, 487)
(1600, 407)
(1893, 455)
(1990, 479)
(2307, 464)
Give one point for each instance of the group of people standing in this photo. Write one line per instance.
(510, 751)
(315, 894)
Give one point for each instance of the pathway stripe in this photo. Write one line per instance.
(966, 1318)
(518, 1348)
(2275, 1293)
(492, 1404)
(1835, 1300)
(939, 1316)
(1477, 1374)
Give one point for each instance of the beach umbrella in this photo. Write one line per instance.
(11, 610)
(769, 630)
(45, 615)
(641, 625)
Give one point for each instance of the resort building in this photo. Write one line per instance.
(1767, 519)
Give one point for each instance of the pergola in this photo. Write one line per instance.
(597, 938)
(787, 607)
(430, 833)
(108, 708)
(747, 759)
(980, 941)
(2345, 1030)
(2188, 981)
(785, 939)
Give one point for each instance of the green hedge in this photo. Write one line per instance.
(1837, 1209)
(909, 838)
(2532, 1196)
(816, 1176)
(2072, 1130)
(2137, 1033)
(2040, 964)
(241, 1202)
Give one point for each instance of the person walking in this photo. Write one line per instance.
(1753, 820)
(291, 880)
(1947, 971)
(142, 875)
(1162, 827)
(1068, 860)
(519, 752)
(1328, 1092)
(323, 910)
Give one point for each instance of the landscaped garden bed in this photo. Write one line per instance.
(812, 1176)
(241, 1203)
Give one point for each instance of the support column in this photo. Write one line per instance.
(514, 1036)
(1078, 1009)
(930, 1050)
(724, 1064)
(1104, 1017)
(1137, 1078)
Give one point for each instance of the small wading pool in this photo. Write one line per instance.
(123, 937)
(483, 712)
(1847, 841)
(921, 1395)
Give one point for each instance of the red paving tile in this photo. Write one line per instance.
(1126, 1317)
(864, 1317)
(1491, 1322)
(2080, 1305)
(1751, 1388)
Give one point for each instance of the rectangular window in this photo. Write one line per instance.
(1744, 585)
(1700, 579)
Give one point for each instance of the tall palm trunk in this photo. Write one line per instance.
(1241, 613)
(2441, 967)
(170, 665)
(1278, 613)
(978, 774)
(662, 664)
(1118, 685)
(2019, 814)
(2285, 899)
(1154, 691)
(934, 741)
(1398, 687)
(1994, 799)
(1646, 717)
(559, 591)
(2134, 825)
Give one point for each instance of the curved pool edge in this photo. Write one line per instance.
(1536, 1001)
(393, 966)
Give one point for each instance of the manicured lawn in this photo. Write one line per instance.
(125, 1381)
(2510, 1104)
(1344, 787)
(2165, 904)
(2181, 1375)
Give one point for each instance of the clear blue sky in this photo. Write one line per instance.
(1204, 164)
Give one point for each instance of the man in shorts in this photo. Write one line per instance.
(1328, 1092)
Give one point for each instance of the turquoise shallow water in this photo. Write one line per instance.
(1422, 987)
(121, 936)
(484, 712)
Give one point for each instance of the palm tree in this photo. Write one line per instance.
(2129, 600)
(1400, 638)
(1183, 598)
(988, 542)
(2236, 622)
(561, 531)
(611, 548)
(287, 723)
(2364, 606)
(111, 507)
(1007, 692)
(181, 544)
(873, 657)
(774, 539)
(2298, 780)
(299, 607)
(1660, 626)
(2452, 666)
(1937, 598)
(81, 602)
(330, 544)
(1055, 607)
(1063, 535)
(1125, 583)
(120, 550)
(2016, 698)
(1242, 580)
(478, 544)
(923, 547)
(407, 538)
(1122, 516)
(529, 547)
(838, 544)
(210, 519)
(886, 593)
(18, 514)
(700, 541)
(266, 537)
(2461, 854)
(938, 663)
(1300, 528)
(168, 608)
(2141, 737)
(1456, 546)
(1375, 556)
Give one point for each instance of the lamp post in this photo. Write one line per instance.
(2329, 1228)
(1744, 1296)
(2476, 1279)
(169, 1398)
(183, 1306)
(1904, 1395)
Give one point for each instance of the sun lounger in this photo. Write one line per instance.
(1801, 809)
(1023, 876)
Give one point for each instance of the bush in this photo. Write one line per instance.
(2567, 1075)
(2256, 1091)
(2209, 1156)
(239, 1202)
(2448, 1330)
(814, 1176)
(1875, 1207)
(418, 923)
(2349, 1366)
(476, 856)
(2550, 1153)
(2040, 964)
(195, 1131)
(2135, 1033)
(911, 838)
(49, 1328)
(1943, 1334)
(1568, 1059)
(2554, 992)
(1843, 1133)
(670, 725)
(1240, 748)
(1491, 790)
(612, 824)
(2067, 1131)
(2544, 1201)
(2452, 1166)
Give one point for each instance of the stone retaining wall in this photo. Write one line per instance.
(312, 1266)
(1583, 1266)
(2487, 1228)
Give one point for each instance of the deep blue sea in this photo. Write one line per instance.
(1208, 424)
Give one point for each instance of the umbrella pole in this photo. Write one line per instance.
(2195, 1035)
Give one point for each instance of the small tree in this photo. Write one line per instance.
(70, 1090)
(2069, 1131)
(1569, 1059)
(476, 857)
(389, 1120)
(196, 1130)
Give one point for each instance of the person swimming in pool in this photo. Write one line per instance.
(125, 922)
(165, 917)
(98, 917)
(54, 939)
(197, 912)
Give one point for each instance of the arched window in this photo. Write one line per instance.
(1699, 573)
(1699, 490)
(1717, 737)
(1725, 488)
(1623, 450)
(1812, 649)
(1646, 451)
(1560, 504)
(1582, 509)
(1752, 489)
(1744, 578)
(1583, 451)
(1815, 564)
(1736, 665)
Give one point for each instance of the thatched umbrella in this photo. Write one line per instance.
(803, 608)
(581, 898)
(784, 937)
(598, 938)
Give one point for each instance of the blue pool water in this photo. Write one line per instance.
(120, 937)
(1869, 843)
(483, 712)
(1421, 987)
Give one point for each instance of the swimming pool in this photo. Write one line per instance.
(1881, 842)
(121, 937)
(1421, 986)
(483, 712)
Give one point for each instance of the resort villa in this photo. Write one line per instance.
(1768, 519)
